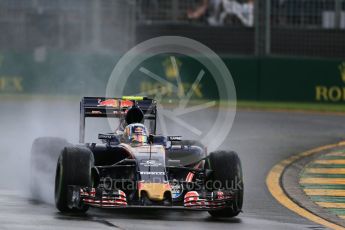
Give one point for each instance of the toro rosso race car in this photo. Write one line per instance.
(134, 167)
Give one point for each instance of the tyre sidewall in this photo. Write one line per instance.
(227, 174)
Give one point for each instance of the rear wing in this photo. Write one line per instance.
(103, 107)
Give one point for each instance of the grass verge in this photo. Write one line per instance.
(292, 106)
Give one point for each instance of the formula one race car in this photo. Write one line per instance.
(134, 167)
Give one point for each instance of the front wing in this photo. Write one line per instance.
(81, 196)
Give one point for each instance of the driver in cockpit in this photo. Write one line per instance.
(131, 129)
(135, 133)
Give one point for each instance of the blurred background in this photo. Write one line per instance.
(276, 50)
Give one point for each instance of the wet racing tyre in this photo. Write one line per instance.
(73, 168)
(227, 174)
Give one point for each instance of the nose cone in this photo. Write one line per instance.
(155, 191)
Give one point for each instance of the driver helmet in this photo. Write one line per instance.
(135, 133)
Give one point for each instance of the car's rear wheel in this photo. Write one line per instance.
(227, 174)
(73, 168)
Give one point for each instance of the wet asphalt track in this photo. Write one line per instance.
(261, 139)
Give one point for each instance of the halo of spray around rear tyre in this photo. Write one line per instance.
(44, 154)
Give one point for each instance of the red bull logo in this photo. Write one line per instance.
(108, 103)
(126, 103)
(115, 103)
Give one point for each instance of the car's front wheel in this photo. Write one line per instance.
(73, 168)
(227, 175)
